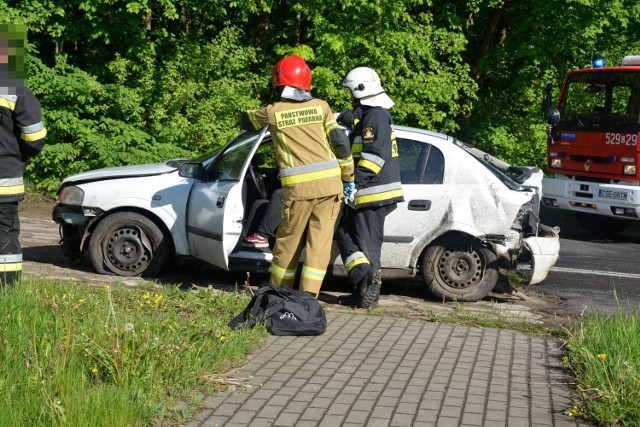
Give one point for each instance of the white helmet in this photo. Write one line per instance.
(365, 86)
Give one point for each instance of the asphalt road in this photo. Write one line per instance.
(593, 274)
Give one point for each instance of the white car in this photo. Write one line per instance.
(463, 219)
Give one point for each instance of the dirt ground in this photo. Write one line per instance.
(43, 258)
(36, 209)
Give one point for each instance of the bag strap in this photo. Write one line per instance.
(268, 313)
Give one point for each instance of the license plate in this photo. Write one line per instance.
(613, 194)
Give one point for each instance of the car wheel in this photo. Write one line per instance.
(602, 225)
(456, 268)
(128, 244)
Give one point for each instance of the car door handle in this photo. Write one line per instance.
(419, 205)
(220, 202)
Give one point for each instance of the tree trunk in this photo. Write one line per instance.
(487, 37)
(261, 36)
(147, 21)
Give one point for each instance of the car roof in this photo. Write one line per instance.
(423, 132)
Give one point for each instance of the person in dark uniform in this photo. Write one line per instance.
(377, 185)
(268, 225)
(21, 137)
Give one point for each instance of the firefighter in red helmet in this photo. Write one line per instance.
(316, 168)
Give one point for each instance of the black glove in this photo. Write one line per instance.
(346, 118)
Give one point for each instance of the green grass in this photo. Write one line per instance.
(604, 354)
(84, 356)
(34, 195)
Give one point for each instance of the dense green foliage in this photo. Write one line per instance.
(129, 81)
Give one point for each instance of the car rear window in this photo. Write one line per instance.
(420, 163)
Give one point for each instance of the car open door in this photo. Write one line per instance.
(215, 210)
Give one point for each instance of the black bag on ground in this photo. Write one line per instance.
(285, 311)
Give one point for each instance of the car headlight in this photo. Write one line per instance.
(71, 195)
(629, 169)
(556, 163)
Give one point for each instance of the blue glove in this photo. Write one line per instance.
(348, 188)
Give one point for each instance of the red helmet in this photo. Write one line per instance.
(292, 71)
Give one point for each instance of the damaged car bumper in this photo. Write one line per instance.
(544, 250)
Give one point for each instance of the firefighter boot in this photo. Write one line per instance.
(359, 278)
(371, 295)
(8, 280)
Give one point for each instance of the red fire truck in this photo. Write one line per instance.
(592, 146)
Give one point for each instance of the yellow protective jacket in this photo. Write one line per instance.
(313, 153)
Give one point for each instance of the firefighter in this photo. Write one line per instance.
(21, 137)
(315, 166)
(377, 184)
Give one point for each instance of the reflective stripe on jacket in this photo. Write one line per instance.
(377, 173)
(313, 152)
(22, 135)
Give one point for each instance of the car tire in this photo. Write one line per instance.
(602, 225)
(128, 244)
(455, 268)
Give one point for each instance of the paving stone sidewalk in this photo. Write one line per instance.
(381, 371)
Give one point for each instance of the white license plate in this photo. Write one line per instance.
(613, 194)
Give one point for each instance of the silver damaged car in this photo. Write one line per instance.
(467, 216)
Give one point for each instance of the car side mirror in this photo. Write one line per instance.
(191, 170)
(551, 114)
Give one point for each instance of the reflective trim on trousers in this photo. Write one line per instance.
(354, 259)
(10, 258)
(282, 272)
(313, 273)
(10, 267)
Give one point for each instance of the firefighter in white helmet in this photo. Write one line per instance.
(315, 167)
(377, 184)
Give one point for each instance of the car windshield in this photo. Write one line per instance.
(600, 99)
(239, 140)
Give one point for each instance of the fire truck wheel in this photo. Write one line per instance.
(602, 225)
(456, 268)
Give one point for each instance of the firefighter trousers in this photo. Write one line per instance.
(316, 218)
(10, 251)
(359, 238)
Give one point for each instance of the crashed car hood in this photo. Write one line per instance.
(124, 172)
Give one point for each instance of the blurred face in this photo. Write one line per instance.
(4, 53)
